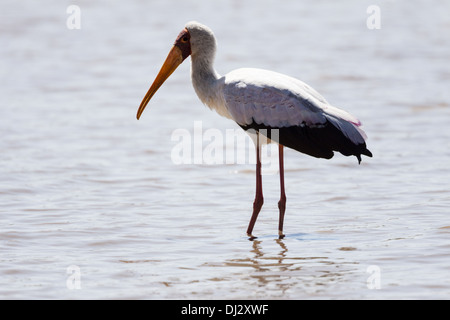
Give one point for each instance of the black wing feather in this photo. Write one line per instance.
(319, 141)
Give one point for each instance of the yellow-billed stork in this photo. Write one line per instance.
(264, 102)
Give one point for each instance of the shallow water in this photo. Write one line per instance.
(83, 184)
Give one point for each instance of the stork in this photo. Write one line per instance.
(283, 109)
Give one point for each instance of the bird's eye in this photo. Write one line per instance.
(184, 39)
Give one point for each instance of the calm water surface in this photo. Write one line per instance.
(83, 184)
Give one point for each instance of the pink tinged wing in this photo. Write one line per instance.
(277, 100)
(269, 98)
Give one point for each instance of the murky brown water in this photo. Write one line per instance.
(83, 184)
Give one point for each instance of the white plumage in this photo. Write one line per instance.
(263, 101)
(277, 101)
(250, 95)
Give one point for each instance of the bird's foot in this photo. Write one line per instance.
(280, 234)
(251, 237)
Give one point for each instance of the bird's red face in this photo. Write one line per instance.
(183, 42)
(179, 52)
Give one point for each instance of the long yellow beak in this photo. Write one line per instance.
(173, 60)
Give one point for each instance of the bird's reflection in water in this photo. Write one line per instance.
(281, 273)
(267, 268)
(261, 261)
(257, 250)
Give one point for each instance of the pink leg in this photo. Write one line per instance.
(282, 202)
(259, 200)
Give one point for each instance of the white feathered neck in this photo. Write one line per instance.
(205, 79)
